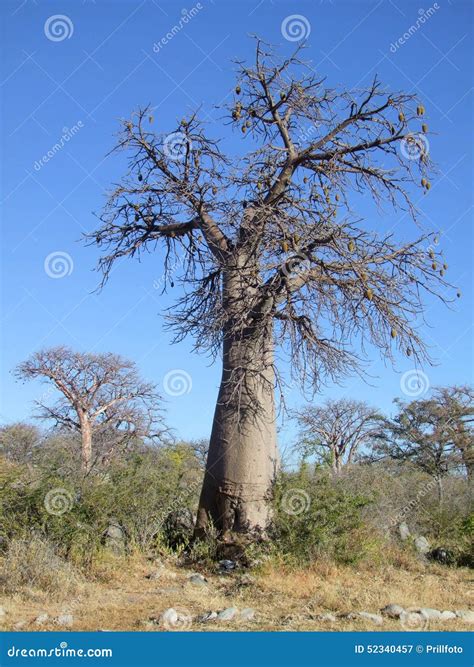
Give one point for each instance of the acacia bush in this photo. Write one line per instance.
(53, 518)
(72, 512)
(316, 517)
(354, 516)
(403, 493)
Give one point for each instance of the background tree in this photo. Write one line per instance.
(18, 441)
(269, 251)
(336, 431)
(102, 397)
(428, 432)
(455, 407)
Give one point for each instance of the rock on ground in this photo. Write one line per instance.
(227, 565)
(160, 573)
(403, 531)
(422, 545)
(413, 620)
(247, 614)
(431, 614)
(227, 614)
(465, 615)
(208, 616)
(42, 618)
(169, 617)
(197, 580)
(392, 610)
(65, 620)
(157, 574)
(373, 618)
(327, 617)
(114, 539)
(447, 615)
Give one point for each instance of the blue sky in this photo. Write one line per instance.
(103, 69)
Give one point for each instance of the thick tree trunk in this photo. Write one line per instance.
(242, 456)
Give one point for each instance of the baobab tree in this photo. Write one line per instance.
(101, 396)
(337, 430)
(268, 251)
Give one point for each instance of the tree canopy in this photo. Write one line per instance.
(281, 216)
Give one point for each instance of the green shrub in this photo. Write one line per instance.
(73, 512)
(316, 517)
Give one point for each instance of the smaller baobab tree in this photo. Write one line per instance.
(337, 430)
(102, 396)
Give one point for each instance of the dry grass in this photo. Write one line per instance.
(121, 597)
(31, 564)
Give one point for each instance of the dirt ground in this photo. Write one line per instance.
(123, 597)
